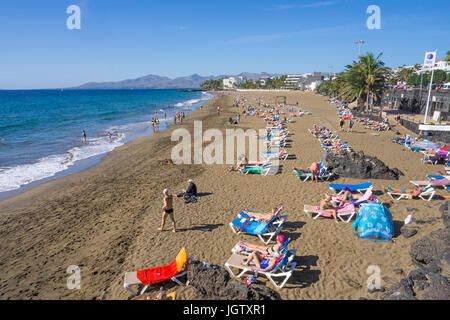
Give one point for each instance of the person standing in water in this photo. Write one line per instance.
(167, 210)
(84, 137)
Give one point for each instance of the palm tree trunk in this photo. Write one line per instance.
(367, 99)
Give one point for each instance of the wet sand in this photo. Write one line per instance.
(104, 219)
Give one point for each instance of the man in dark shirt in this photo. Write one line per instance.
(190, 193)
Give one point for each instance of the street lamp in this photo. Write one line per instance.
(359, 43)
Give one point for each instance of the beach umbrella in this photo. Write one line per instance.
(445, 148)
(425, 144)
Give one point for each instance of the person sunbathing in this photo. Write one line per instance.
(347, 196)
(411, 191)
(261, 263)
(261, 216)
(314, 168)
(270, 252)
(242, 164)
(327, 207)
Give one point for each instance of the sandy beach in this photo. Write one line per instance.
(104, 219)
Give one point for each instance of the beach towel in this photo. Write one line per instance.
(158, 274)
(245, 225)
(374, 222)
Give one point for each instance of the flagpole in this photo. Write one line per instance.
(429, 94)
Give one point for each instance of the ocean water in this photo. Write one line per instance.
(41, 130)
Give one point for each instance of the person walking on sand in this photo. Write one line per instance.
(350, 125)
(167, 210)
(84, 136)
(341, 123)
(218, 111)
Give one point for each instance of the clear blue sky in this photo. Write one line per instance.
(128, 39)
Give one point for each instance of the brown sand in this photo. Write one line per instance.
(105, 218)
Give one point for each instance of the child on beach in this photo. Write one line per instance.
(327, 207)
(167, 210)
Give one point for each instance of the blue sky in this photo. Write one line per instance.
(128, 39)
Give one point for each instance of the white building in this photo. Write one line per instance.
(441, 64)
(229, 83)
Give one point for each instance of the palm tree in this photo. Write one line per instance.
(373, 73)
(448, 56)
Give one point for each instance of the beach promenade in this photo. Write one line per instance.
(104, 219)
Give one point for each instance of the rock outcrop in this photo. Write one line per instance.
(214, 282)
(360, 166)
(431, 255)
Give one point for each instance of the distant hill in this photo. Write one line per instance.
(159, 82)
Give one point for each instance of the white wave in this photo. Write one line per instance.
(12, 178)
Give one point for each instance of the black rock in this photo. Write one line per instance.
(445, 209)
(426, 249)
(417, 275)
(360, 166)
(408, 232)
(382, 289)
(214, 282)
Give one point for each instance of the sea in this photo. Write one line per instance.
(41, 130)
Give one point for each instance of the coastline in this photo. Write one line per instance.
(83, 164)
(104, 219)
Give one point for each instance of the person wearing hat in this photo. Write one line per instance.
(266, 260)
(190, 192)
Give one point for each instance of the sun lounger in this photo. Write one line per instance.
(263, 169)
(352, 187)
(314, 212)
(434, 183)
(427, 192)
(146, 277)
(264, 230)
(283, 270)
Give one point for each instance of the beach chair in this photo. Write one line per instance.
(146, 277)
(352, 187)
(282, 270)
(264, 230)
(426, 195)
(344, 213)
(434, 183)
(263, 169)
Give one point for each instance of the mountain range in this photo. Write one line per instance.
(160, 82)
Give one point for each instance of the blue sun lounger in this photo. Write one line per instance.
(352, 187)
(261, 229)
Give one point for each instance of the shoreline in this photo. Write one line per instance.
(104, 219)
(84, 164)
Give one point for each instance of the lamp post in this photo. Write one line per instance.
(359, 43)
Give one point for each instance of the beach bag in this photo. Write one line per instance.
(374, 222)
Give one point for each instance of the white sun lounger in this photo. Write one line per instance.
(282, 271)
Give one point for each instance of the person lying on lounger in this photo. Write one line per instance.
(261, 216)
(265, 252)
(242, 164)
(347, 196)
(411, 191)
(327, 207)
(261, 263)
(314, 168)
